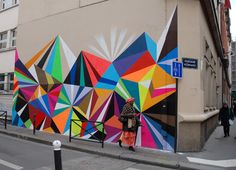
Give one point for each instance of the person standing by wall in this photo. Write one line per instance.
(224, 117)
(129, 124)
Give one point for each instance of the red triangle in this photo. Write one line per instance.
(144, 61)
(39, 115)
(93, 64)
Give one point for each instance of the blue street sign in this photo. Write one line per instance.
(177, 69)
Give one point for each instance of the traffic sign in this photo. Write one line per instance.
(177, 69)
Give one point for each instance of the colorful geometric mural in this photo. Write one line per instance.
(96, 89)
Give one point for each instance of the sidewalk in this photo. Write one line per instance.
(218, 148)
(144, 156)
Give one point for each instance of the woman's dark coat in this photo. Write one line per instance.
(128, 111)
(224, 116)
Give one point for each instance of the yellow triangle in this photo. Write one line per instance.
(79, 110)
(161, 78)
(49, 130)
(149, 102)
(42, 91)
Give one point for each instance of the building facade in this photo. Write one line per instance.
(82, 59)
(233, 69)
(8, 27)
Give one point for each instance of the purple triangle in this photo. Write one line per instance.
(122, 65)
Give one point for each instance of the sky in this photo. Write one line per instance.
(233, 19)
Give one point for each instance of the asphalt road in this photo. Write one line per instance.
(17, 154)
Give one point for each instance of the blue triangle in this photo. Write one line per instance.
(109, 79)
(139, 45)
(173, 54)
(51, 59)
(166, 67)
(68, 121)
(89, 128)
(151, 46)
(20, 123)
(15, 117)
(133, 89)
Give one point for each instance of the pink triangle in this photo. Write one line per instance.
(28, 91)
(16, 55)
(158, 92)
(53, 97)
(146, 136)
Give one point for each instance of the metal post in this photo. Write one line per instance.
(57, 154)
(70, 131)
(103, 134)
(34, 123)
(5, 119)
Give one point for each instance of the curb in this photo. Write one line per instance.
(159, 162)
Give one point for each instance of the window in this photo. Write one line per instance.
(2, 77)
(15, 2)
(3, 40)
(11, 79)
(13, 38)
(8, 3)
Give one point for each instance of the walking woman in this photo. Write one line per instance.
(130, 124)
(224, 116)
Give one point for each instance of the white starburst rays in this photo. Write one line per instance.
(119, 41)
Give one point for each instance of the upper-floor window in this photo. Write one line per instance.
(8, 3)
(2, 77)
(3, 40)
(13, 38)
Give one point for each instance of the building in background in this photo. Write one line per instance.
(129, 52)
(226, 43)
(8, 28)
(233, 69)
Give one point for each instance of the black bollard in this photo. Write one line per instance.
(34, 123)
(57, 154)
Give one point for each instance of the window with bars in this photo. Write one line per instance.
(2, 77)
(3, 40)
(13, 38)
(11, 79)
(8, 3)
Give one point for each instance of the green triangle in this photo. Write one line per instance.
(28, 123)
(74, 127)
(143, 91)
(57, 67)
(24, 78)
(149, 74)
(63, 98)
(82, 80)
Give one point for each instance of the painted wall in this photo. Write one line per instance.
(56, 86)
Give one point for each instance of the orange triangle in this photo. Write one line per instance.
(114, 122)
(103, 95)
(61, 119)
(138, 75)
(36, 57)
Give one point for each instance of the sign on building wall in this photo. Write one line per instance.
(190, 63)
(177, 70)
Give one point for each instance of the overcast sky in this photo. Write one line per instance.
(233, 19)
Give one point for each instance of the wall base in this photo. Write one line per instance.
(194, 134)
